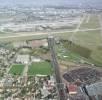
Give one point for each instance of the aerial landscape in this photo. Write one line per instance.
(51, 50)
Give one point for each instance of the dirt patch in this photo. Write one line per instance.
(86, 74)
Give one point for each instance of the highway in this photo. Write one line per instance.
(60, 85)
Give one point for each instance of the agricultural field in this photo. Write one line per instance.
(69, 56)
(90, 22)
(16, 69)
(42, 68)
(93, 41)
(89, 39)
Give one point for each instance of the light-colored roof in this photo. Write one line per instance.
(95, 89)
(23, 58)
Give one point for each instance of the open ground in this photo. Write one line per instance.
(87, 34)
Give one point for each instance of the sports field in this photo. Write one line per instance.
(16, 69)
(43, 68)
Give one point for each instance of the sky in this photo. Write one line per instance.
(51, 2)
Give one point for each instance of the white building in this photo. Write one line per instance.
(4, 51)
(24, 59)
(36, 59)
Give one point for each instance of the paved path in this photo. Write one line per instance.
(25, 71)
(8, 69)
(77, 28)
(100, 21)
(88, 18)
(46, 33)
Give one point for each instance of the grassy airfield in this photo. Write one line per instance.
(88, 35)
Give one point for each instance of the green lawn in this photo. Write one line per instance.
(43, 68)
(66, 55)
(17, 69)
(96, 56)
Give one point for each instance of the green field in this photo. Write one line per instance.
(16, 69)
(66, 55)
(92, 23)
(88, 39)
(43, 68)
(91, 40)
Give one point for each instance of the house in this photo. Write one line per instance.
(36, 59)
(72, 89)
(6, 82)
(44, 92)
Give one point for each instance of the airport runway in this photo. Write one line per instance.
(36, 35)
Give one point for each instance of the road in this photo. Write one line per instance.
(34, 35)
(60, 85)
(77, 28)
(100, 22)
(88, 18)
(25, 71)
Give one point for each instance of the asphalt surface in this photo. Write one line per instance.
(60, 85)
(36, 35)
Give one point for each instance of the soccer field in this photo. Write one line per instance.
(43, 68)
(16, 69)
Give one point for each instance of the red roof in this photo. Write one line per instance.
(72, 89)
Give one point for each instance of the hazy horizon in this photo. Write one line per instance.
(51, 2)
